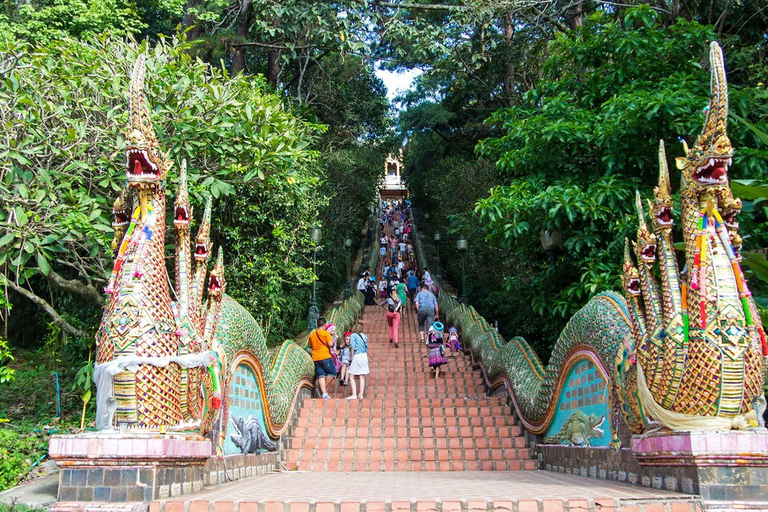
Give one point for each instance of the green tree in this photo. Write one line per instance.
(577, 146)
(64, 111)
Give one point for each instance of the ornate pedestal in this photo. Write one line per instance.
(131, 467)
(720, 466)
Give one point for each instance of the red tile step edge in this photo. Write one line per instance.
(522, 505)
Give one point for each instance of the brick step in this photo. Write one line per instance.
(391, 403)
(462, 417)
(486, 505)
(410, 432)
(416, 464)
(427, 420)
(406, 442)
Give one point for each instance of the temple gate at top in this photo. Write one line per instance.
(391, 184)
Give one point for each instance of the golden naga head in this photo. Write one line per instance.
(121, 217)
(729, 208)
(662, 207)
(182, 210)
(630, 279)
(203, 240)
(217, 284)
(645, 247)
(706, 163)
(146, 165)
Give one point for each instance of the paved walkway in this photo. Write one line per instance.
(424, 485)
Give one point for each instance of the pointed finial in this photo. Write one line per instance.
(664, 184)
(627, 253)
(640, 212)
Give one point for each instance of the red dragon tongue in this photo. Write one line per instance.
(137, 168)
(718, 171)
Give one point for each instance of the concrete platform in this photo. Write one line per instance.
(460, 491)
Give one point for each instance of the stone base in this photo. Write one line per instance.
(133, 467)
(723, 466)
(220, 470)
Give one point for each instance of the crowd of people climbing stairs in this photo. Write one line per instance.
(398, 285)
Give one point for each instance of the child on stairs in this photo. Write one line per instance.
(436, 348)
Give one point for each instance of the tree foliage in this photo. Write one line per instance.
(64, 113)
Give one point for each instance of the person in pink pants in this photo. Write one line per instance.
(394, 307)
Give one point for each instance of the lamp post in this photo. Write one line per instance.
(438, 275)
(461, 245)
(551, 240)
(347, 245)
(314, 313)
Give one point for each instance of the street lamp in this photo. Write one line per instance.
(551, 241)
(461, 245)
(438, 275)
(316, 234)
(347, 245)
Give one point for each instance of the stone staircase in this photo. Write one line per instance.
(409, 420)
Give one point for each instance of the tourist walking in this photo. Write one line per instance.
(321, 341)
(401, 293)
(394, 308)
(413, 284)
(427, 310)
(436, 348)
(346, 359)
(358, 345)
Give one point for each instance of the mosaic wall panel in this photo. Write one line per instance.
(582, 409)
(246, 432)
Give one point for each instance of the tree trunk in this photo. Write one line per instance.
(190, 19)
(273, 60)
(243, 25)
(509, 75)
(575, 16)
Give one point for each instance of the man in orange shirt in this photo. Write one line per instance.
(320, 342)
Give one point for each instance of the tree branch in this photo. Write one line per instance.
(88, 292)
(43, 304)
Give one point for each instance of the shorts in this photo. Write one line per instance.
(426, 317)
(325, 368)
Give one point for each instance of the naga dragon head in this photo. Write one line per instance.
(217, 284)
(706, 164)
(146, 166)
(182, 210)
(645, 247)
(203, 240)
(730, 207)
(121, 217)
(631, 277)
(662, 208)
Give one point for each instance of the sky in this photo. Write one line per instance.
(397, 82)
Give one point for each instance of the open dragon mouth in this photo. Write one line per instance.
(649, 252)
(597, 428)
(181, 216)
(140, 168)
(201, 251)
(120, 219)
(729, 219)
(664, 217)
(714, 172)
(215, 286)
(633, 286)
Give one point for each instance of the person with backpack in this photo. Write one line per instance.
(413, 284)
(426, 308)
(394, 308)
(358, 345)
(321, 341)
